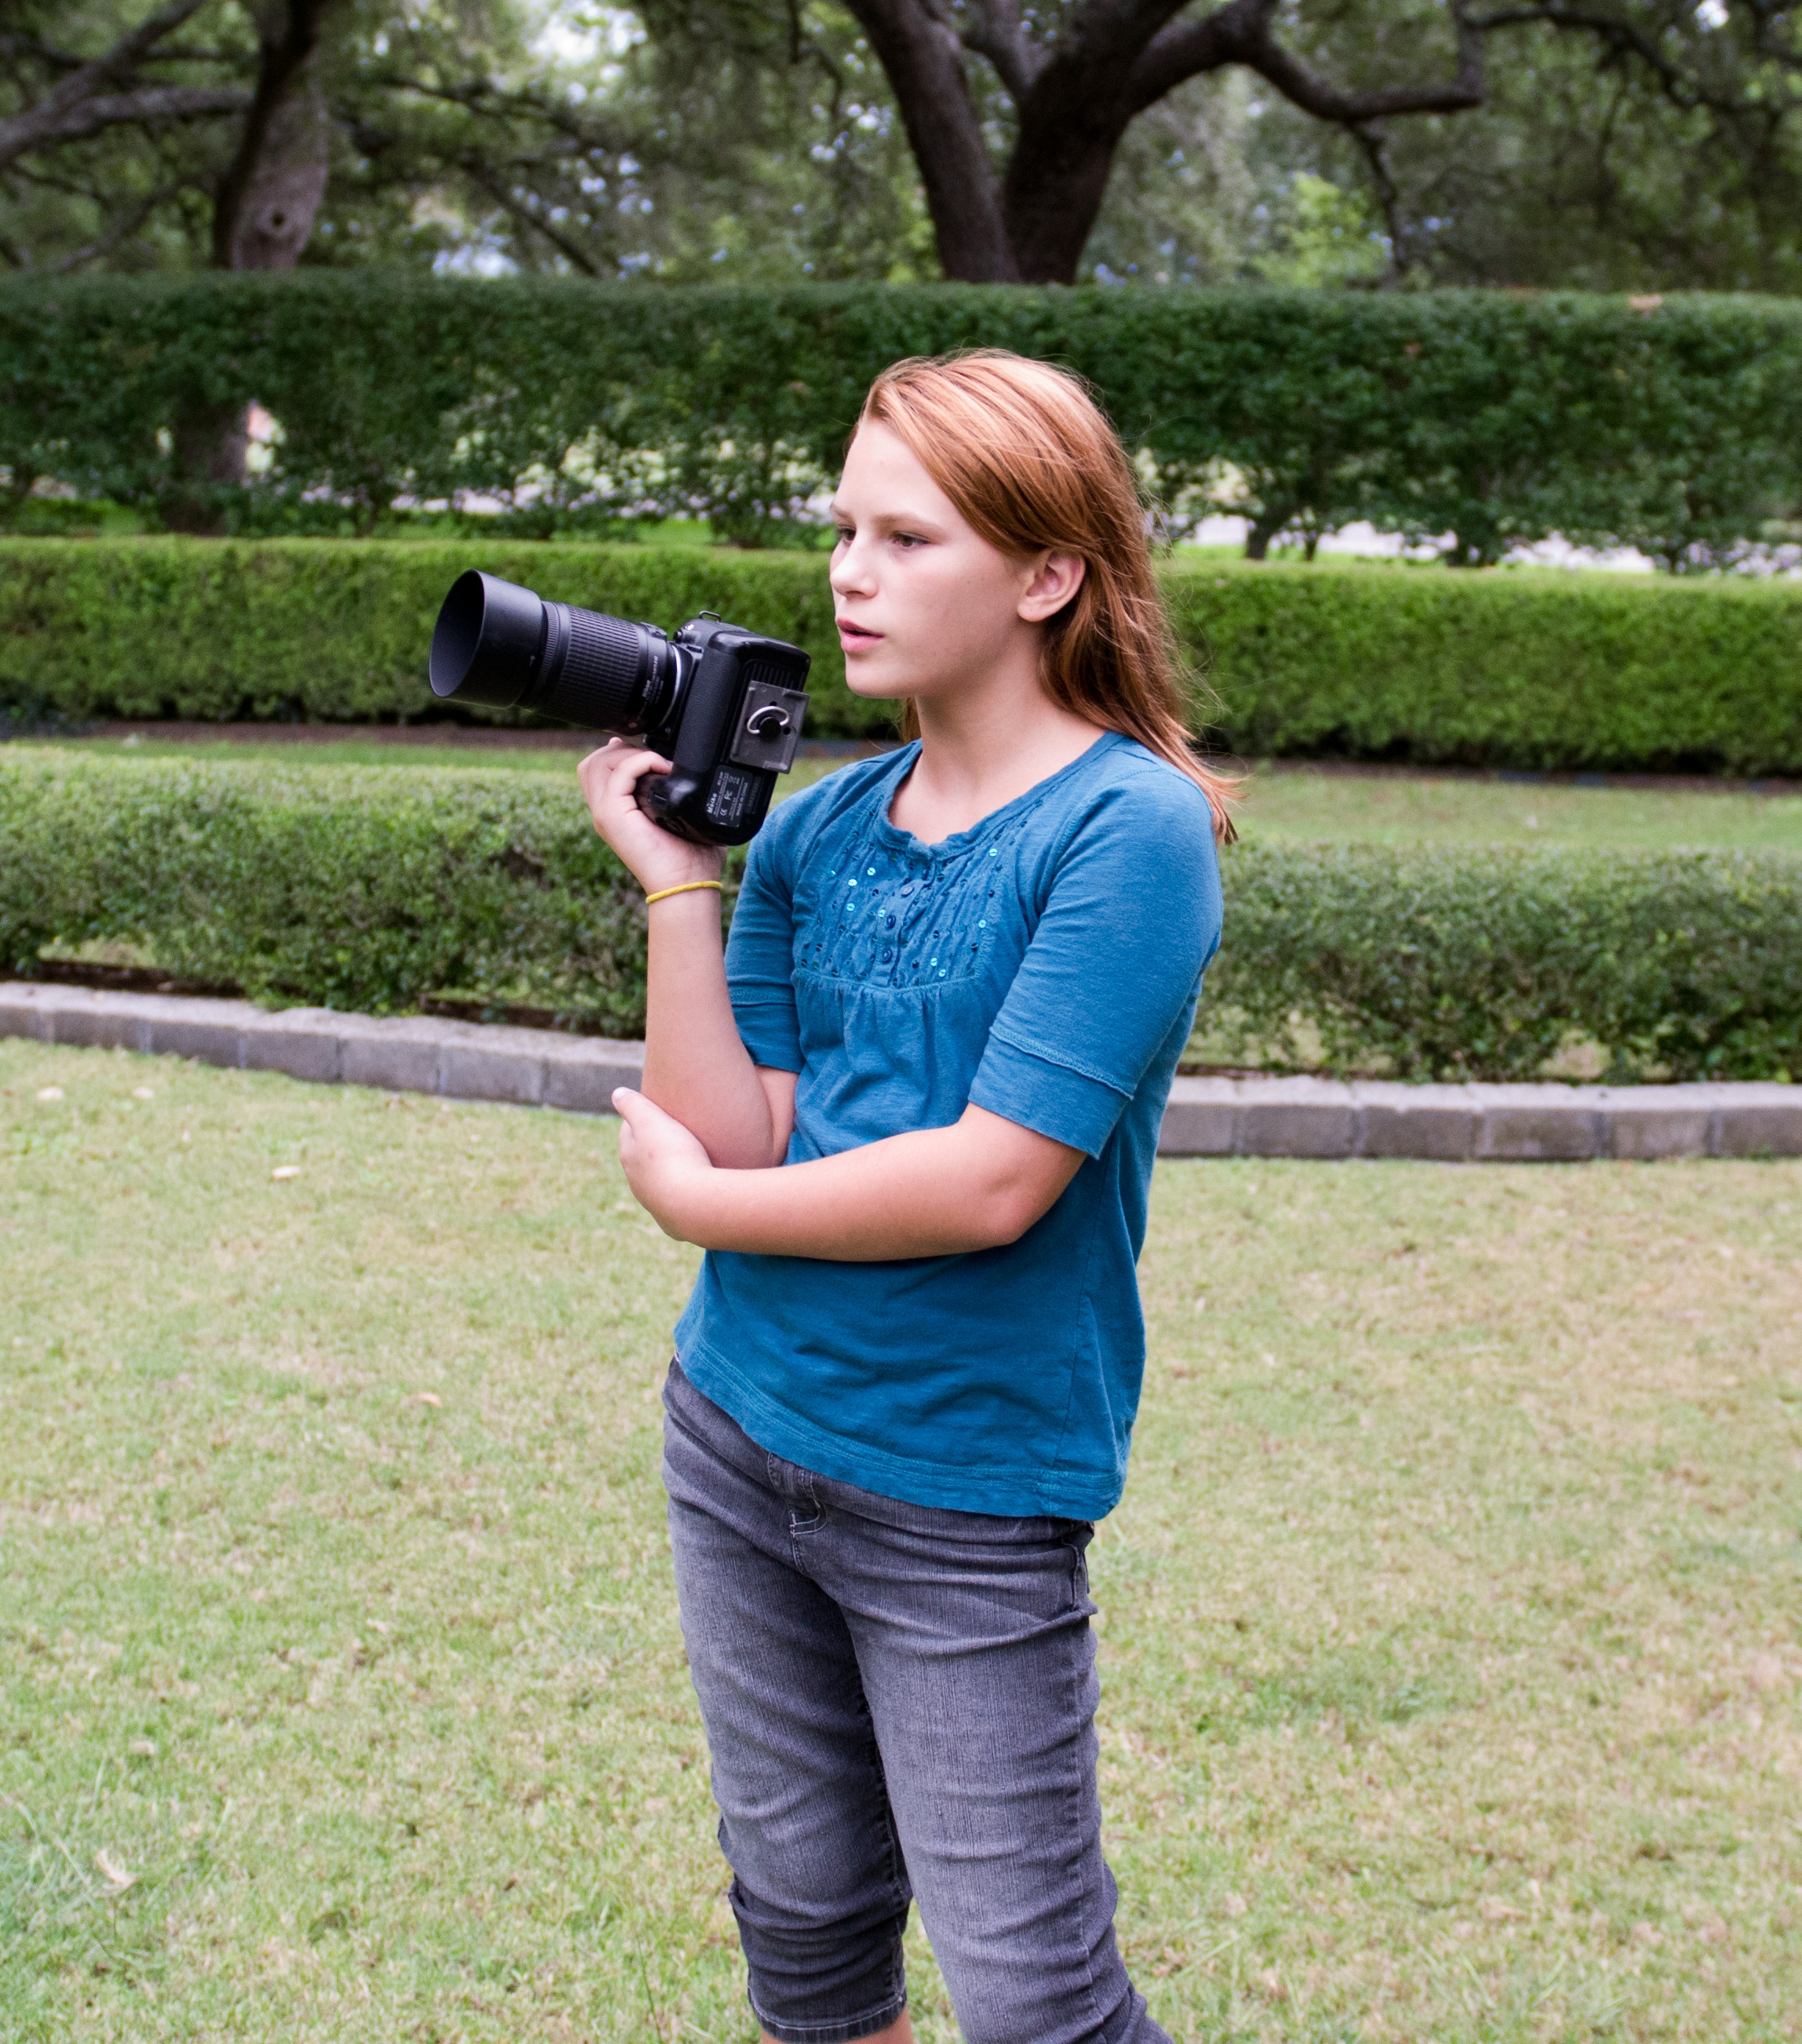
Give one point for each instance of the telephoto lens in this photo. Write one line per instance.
(503, 646)
(722, 703)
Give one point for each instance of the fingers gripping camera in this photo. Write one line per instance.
(724, 705)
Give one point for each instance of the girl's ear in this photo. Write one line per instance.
(1054, 580)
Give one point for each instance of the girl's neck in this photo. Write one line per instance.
(979, 752)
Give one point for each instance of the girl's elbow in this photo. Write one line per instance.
(746, 1150)
(1010, 1211)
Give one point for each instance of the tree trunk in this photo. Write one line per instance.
(1076, 88)
(263, 219)
(1262, 529)
(1072, 114)
(924, 63)
(1055, 184)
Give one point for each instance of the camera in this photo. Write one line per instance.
(724, 704)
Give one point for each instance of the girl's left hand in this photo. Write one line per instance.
(665, 1166)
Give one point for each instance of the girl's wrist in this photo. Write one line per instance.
(689, 1205)
(659, 875)
(684, 890)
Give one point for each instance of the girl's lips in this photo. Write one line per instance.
(858, 635)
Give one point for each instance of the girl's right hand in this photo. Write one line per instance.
(655, 858)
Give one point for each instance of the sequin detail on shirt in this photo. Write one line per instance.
(894, 918)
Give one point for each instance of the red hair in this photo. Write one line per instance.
(1027, 456)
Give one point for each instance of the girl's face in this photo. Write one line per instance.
(925, 606)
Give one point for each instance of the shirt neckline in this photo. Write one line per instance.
(949, 847)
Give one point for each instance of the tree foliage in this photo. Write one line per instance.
(1645, 144)
(483, 134)
(1642, 145)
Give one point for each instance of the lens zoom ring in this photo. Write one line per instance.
(604, 672)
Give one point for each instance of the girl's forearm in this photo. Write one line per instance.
(696, 1066)
(977, 1185)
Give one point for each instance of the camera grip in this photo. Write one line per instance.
(657, 798)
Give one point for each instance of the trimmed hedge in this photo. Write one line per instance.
(368, 887)
(1673, 424)
(1547, 669)
(1528, 669)
(320, 631)
(356, 888)
(1483, 963)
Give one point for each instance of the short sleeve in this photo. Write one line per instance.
(1132, 918)
(760, 957)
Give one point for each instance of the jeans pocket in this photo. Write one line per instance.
(1074, 1535)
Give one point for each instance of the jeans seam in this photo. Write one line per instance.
(903, 1895)
(799, 1527)
(1074, 1804)
(899, 1890)
(849, 2027)
(1078, 1580)
(898, 1885)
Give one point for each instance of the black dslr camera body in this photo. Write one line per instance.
(724, 705)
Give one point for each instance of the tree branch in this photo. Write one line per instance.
(79, 104)
(1109, 34)
(42, 127)
(999, 34)
(482, 96)
(1371, 138)
(1187, 49)
(120, 229)
(120, 62)
(30, 48)
(1621, 39)
(1242, 32)
(483, 175)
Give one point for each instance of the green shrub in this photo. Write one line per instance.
(369, 888)
(1530, 669)
(1545, 669)
(1492, 417)
(345, 887)
(320, 631)
(1485, 963)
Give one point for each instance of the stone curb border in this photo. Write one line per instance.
(1295, 1117)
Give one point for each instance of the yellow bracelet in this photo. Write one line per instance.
(687, 887)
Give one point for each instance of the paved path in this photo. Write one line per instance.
(1300, 1117)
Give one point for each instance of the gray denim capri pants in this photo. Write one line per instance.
(900, 1706)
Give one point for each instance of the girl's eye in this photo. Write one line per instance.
(909, 539)
(846, 536)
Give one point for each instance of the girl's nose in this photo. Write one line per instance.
(849, 572)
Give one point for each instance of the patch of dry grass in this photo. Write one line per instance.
(1450, 1650)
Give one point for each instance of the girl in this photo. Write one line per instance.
(911, 1114)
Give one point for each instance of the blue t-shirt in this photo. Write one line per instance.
(1044, 965)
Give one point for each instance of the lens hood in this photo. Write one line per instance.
(486, 645)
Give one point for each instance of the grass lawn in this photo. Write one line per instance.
(1453, 1682)
(1392, 809)
(334, 752)
(1427, 808)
